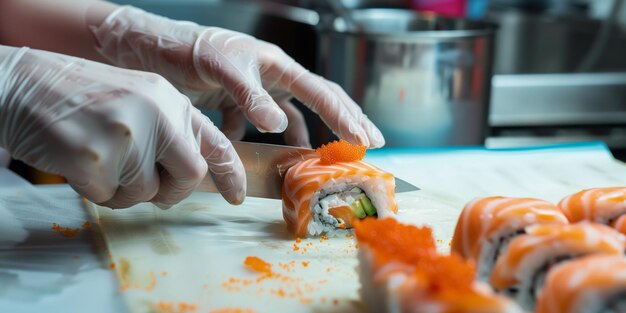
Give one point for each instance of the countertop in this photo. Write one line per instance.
(194, 253)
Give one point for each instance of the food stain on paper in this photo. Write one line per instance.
(128, 281)
(70, 232)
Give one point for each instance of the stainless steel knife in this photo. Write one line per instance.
(266, 164)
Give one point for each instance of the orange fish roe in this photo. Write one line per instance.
(340, 151)
(446, 273)
(305, 263)
(280, 292)
(289, 287)
(392, 240)
(171, 307)
(258, 265)
(86, 225)
(65, 231)
(112, 265)
(415, 246)
(288, 266)
(232, 310)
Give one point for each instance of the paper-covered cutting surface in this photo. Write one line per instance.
(191, 258)
(44, 268)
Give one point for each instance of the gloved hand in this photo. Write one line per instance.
(119, 136)
(232, 72)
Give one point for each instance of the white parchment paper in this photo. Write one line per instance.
(190, 258)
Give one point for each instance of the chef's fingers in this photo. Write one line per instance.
(238, 73)
(316, 93)
(224, 165)
(134, 187)
(296, 133)
(233, 122)
(374, 135)
(142, 188)
(183, 168)
(100, 179)
(94, 189)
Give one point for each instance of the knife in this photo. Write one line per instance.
(266, 164)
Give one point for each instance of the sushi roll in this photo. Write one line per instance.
(593, 284)
(487, 225)
(385, 263)
(401, 271)
(327, 193)
(598, 205)
(520, 271)
(417, 297)
(620, 224)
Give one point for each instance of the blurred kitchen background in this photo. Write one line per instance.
(504, 73)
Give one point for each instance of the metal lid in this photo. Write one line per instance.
(407, 23)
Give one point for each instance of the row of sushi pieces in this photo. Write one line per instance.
(548, 258)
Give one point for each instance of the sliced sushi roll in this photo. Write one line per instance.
(385, 262)
(593, 284)
(327, 193)
(401, 271)
(487, 225)
(521, 269)
(598, 205)
(620, 224)
(417, 297)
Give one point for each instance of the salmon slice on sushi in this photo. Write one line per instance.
(593, 284)
(487, 225)
(598, 205)
(401, 271)
(620, 224)
(520, 271)
(322, 195)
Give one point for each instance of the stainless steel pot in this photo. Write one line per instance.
(423, 80)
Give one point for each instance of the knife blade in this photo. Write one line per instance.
(265, 165)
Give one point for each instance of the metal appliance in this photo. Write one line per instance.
(423, 80)
(560, 76)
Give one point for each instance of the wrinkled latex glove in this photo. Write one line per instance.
(119, 136)
(234, 73)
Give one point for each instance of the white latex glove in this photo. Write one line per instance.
(119, 136)
(234, 73)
